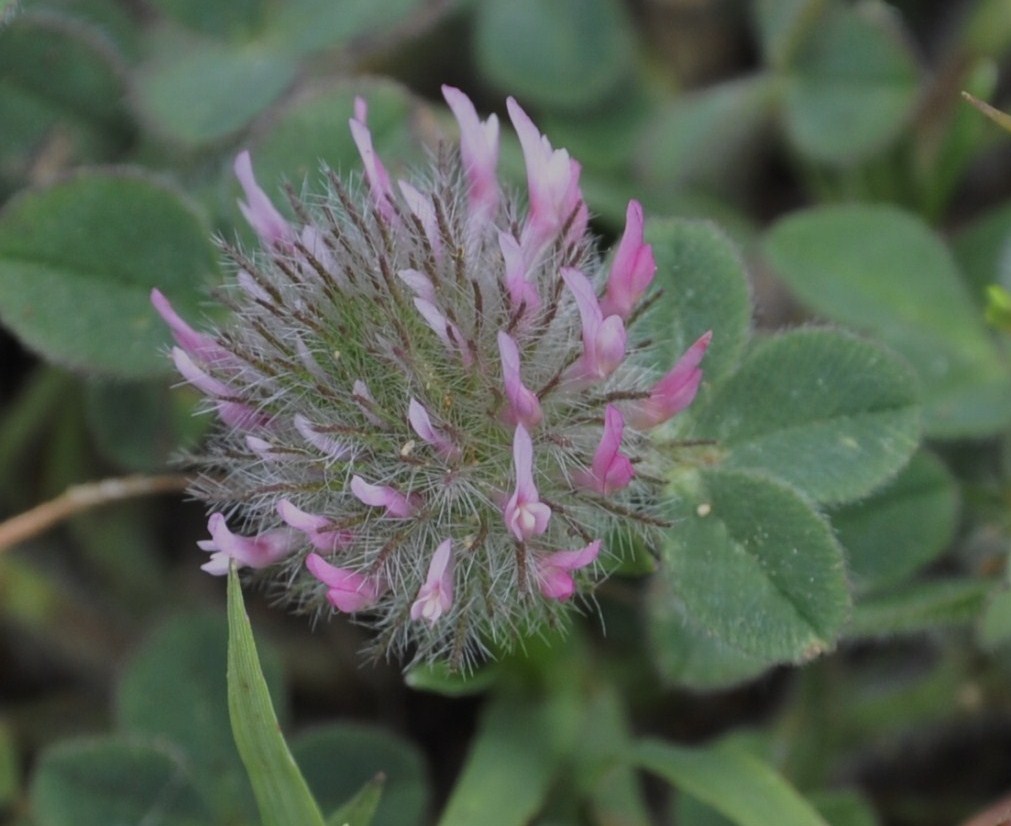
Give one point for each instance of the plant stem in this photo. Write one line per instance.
(80, 498)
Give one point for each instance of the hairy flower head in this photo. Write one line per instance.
(432, 411)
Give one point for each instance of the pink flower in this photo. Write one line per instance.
(375, 172)
(479, 149)
(419, 284)
(247, 551)
(436, 596)
(553, 182)
(554, 572)
(525, 514)
(522, 293)
(383, 496)
(347, 591)
(603, 338)
(422, 425)
(632, 269)
(611, 470)
(257, 209)
(197, 345)
(674, 392)
(422, 209)
(448, 333)
(366, 402)
(234, 414)
(319, 530)
(523, 404)
(327, 445)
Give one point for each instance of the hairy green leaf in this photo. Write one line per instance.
(755, 566)
(883, 271)
(829, 413)
(901, 527)
(340, 759)
(114, 781)
(560, 54)
(701, 274)
(78, 261)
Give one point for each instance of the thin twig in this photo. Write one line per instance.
(81, 498)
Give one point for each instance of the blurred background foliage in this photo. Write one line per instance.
(827, 138)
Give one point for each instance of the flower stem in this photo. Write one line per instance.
(80, 498)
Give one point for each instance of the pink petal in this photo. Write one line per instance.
(375, 172)
(325, 444)
(554, 571)
(197, 345)
(366, 402)
(523, 403)
(479, 149)
(422, 425)
(552, 180)
(259, 212)
(419, 284)
(525, 515)
(521, 291)
(197, 377)
(448, 333)
(347, 591)
(421, 207)
(604, 340)
(248, 551)
(633, 267)
(383, 496)
(675, 391)
(611, 470)
(435, 597)
(318, 529)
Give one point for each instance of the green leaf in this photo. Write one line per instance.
(982, 250)
(602, 774)
(852, 84)
(10, 769)
(556, 54)
(995, 623)
(196, 92)
(883, 271)
(704, 288)
(304, 26)
(61, 92)
(141, 425)
(734, 782)
(684, 654)
(781, 26)
(175, 689)
(341, 758)
(78, 261)
(844, 808)
(704, 140)
(829, 413)
(229, 20)
(282, 794)
(514, 760)
(755, 566)
(901, 527)
(919, 607)
(439, 678)
(8, 8)
(361, 808)
(110, 781)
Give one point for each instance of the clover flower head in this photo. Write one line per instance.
(433, 414)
